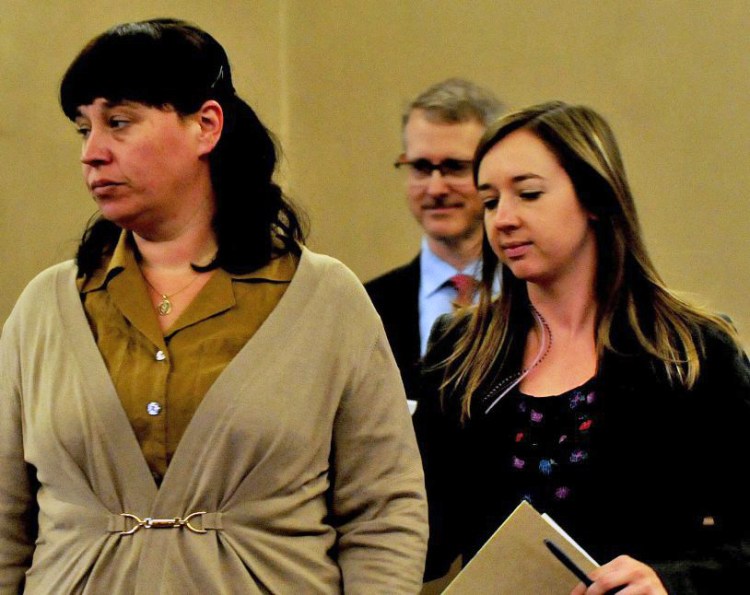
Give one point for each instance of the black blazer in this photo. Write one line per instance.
(663, 459)
(396, 298)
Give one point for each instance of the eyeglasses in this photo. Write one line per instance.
(421, 169)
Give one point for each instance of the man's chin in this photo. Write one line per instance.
(446, 236)
(446, 226)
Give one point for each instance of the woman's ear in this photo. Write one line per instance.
(210, 118)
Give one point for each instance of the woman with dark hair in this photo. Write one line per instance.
(586, 387)
(182, 410)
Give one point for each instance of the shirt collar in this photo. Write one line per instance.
(278, 270)
(122, 279)
(434, 272)
(122, 257)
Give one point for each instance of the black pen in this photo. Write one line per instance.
(569, 564)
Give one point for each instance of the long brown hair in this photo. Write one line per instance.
(628, 288)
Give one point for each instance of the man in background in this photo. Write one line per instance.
(441, 129)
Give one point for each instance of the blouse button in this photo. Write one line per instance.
(160, 356)
(153, 408)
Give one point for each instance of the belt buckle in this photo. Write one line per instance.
(152, 523)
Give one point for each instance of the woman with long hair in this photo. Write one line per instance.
(586, 387)
(182, 409)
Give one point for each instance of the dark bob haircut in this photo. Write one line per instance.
(167, 63)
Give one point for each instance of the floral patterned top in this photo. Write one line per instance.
(551, 445)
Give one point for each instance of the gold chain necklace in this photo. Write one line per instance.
(165, 305)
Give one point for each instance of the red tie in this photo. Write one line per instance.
(465, 286)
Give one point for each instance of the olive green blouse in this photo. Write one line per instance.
(161, 377)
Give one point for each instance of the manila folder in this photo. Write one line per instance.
(515, 561)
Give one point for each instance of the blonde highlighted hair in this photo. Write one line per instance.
(629, 291)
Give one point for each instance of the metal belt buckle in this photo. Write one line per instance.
(151, 523)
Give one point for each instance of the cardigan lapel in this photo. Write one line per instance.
(254, 359)
(135, 486)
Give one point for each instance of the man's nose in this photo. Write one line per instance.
(436, 184)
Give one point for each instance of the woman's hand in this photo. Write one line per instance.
(625, 576)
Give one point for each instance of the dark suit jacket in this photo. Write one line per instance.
(396, 298)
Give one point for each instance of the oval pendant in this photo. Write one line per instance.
(165, 306)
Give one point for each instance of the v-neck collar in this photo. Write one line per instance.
(144, 495)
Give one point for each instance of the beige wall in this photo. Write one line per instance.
(331, 78)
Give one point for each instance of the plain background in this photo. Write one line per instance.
(332, 77)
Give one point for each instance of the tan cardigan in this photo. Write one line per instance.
(302, 454)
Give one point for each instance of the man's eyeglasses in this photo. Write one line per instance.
(422, 169)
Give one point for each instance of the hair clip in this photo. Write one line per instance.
(219, 76)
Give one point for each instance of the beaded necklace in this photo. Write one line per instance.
(513, 380)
